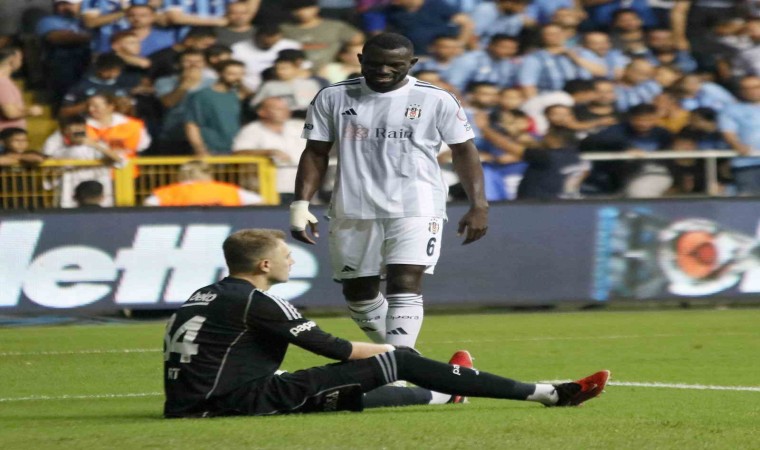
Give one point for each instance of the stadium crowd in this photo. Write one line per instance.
(541, 81)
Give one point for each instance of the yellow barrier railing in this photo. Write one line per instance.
(39, 187)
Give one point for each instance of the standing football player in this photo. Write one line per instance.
(389, 201)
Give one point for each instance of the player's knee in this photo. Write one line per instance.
(410, 283)
(359, 293)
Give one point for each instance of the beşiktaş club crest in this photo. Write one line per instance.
(433, 227)
(413, 112)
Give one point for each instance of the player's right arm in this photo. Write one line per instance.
(319, 132)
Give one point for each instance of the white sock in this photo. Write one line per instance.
(370, 316)
(439, 398)
(545, 393)
(404, 319)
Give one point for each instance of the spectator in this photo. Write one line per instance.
(662, 51)
(637, 85)
(202, 13)
(107, 77)
(563, 117)
(482, 98)
(673, 117)
(345, 64)
(638, 135)
(601, 106)
(696, 93)
(442, 52)
(496, 64)
(545, 10)
(703, 125)
(13, 111)
(89, 194)
(597, 48)
(505, 134)
(260, 53)
(423, 20)
(15, 149)
(627, 32)
(548, 68)
(274, 135)
(126, 45)
(740, 124)
(173, 92)
(509, 17)
(747, 62)
(213, 113)
(321, 39)
(196, 187)
(298, 90)
(568, 19)
(66, 46)
(602, 13)
(214, 55)
(70, 141)
(238, 28)
(124, 135)
(555, 169)
(166, 62)
(142, 19)
(692, 22)
(432, 77)
(106, 18)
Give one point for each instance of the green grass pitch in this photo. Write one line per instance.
(88, 387)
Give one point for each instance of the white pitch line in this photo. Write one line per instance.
(458, 341)
(78, 397)
(697, 387)
(82, 352)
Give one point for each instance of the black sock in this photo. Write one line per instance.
(396, 396)
(455, 380)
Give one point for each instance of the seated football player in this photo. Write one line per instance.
(224, 346)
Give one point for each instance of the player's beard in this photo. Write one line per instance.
(387, 83)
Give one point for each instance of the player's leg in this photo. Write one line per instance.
(457, 380)
(355, 256)
(412, 247)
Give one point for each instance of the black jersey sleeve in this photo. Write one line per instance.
(283, 320)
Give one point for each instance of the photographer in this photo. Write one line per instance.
(71, 142)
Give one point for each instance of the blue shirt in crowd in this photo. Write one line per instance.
(600, 16)
(101, 41)
(630, 96)
(422, 26)
(613, 60)
(710, 95)
(490, 21)
(478, 66)
(549, 72)
(684, 61)
(202, 8)
(743, 119)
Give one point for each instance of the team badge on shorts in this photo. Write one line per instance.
(413, 112)
(433, 227)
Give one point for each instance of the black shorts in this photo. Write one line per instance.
(334, 387)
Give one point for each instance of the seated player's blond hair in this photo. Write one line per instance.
(195, 170)
(245, 248)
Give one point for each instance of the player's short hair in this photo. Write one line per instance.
(291, 54)
(8, 133)
(216, 50)
(475, 85)
(548, 110)
(705, 113)
(616, 15)
(77, 119)
(191, 52)
(498, 37)
(245, 248)
(389, 41)
(121, 35)
(267, 29)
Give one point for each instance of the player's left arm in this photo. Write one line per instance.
(456, 131)
(466, 161)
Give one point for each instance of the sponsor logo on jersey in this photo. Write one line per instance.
(355, 132)
(349, 112)
(308, 126)
(401, 133)
(413, 112)
(202, 297)
(295, 331)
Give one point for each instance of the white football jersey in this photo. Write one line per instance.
(387, 144)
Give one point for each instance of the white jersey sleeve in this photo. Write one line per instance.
(453, 124)
(320, 122)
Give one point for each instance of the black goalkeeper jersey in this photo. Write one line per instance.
(230, 335)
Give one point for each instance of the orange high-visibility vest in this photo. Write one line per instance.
(124, 136)
(199, 193)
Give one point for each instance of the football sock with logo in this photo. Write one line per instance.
(546, 394)
(370, 315)
(404, 319)
(455, 380)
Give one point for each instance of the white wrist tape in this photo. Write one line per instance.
(300, 216)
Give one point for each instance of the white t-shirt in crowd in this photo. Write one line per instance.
(257, 60)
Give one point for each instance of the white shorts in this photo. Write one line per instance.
(363, 247)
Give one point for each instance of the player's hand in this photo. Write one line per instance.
(300, 217)
(474, 224)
